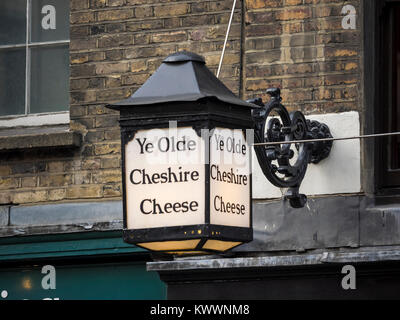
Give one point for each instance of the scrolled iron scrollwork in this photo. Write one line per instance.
(279, 162)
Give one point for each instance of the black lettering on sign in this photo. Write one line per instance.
(148, 147)
(151, 206)
(140, 176)
(228, 207)
(167, 144)
(227, 176)
(231, 144)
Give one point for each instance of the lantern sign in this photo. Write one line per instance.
(157, 185)
(186, 161)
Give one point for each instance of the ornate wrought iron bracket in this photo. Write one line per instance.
(285, 165)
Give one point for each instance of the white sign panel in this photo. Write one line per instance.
(229, 178)
(165, 178)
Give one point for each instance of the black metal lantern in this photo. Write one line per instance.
(186, 186)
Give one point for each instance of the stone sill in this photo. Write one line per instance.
(38, 138)
(385, 209)
(60, 218)
(344, 256)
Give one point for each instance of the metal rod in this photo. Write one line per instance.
(33, 44)
(226, 38)
(11, 46)
(28, 58)
(48, 43)
(328, 139)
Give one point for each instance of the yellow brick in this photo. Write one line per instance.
(80, 59)
(350, 66)
(171, 10)
(107, 176)
(293, 2)
(4, 171)
(5, 197)
(30, 197)
(28, 182)
(110, 15)
(137, 66)
(84, 192)
(345, 53)
(57, 194)
(112, 148)
(56, 166)
(55, 180)
(8, 183)
(294, 14)
(113, 190)
(258, 4)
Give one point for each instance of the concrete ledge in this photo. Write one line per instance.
(269, 261)
(326, 222)
(42, 137)
(380, 225)
(4, 215)
(62, 218)
(65, 213)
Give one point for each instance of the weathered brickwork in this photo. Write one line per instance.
(301, 47)
(298, 45)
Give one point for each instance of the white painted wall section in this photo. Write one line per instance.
(339, 173)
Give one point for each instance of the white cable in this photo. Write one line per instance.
(327, 139)
(226, 38)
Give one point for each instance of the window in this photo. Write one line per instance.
(34, 56)
(389, 88)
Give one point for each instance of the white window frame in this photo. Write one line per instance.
(32, 119)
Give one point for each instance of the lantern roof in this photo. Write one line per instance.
(183, 76)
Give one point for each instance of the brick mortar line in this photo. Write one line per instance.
(355, 59)
(151, 58)
(95, 37)
(322, 31)
(316, 46)
(294, 103)
(298, 76)
(285, 76)
(132, 46)
(94, 11)
(231, 78)
(151, 30)
(127, 73)
(316, 32)
(44, 188)
(355, 3)
(309, 19)
(322, 59)
(302, 89)
(149, 18)
(146, 5)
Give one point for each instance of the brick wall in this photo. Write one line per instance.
(298, 45)
(301, 47)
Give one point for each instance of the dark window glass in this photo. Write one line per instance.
(388, 80)
(50, 20)
(394, 117)
(12, 81)
(12, 22)
(49, 79)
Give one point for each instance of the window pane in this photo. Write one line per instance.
(395, 112)
(50, 20)
(12, 22)
(12, 81)
(49, 79)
